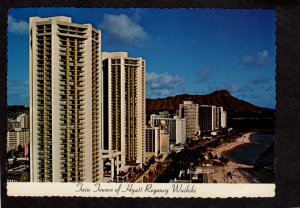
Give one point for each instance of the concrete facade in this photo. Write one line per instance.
(65, 101)
(190, 112)
(23, 119)
(169, 124)
(164, 142)
(223, 119)
(152, 141)
(180, 130)
(124, 113)
(211, 118)
(206, 118)
(18, 132)
(16, 138)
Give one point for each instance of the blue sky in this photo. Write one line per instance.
(193, 51)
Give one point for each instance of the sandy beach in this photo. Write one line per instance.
(238, 176)
(228, 146)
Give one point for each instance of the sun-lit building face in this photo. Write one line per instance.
(65, 100)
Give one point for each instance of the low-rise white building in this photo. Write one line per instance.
(16, 138)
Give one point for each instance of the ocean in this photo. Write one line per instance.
(258, 153)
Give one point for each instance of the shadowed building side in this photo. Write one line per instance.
(124, 100)
(190, 112)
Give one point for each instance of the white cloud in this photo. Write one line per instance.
(17, 26)
(203, 75)
(258, 60)
(234, 88)
(122, 29)
(162, 84)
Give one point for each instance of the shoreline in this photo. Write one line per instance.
(244, 139)
(238, 170)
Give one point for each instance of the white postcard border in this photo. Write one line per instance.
(133, 190)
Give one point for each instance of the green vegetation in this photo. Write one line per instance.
(14, 111)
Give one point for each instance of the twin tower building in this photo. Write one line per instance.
(87, 108)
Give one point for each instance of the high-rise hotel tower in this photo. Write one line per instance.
(124, 111)
(190, 111)
(65, 101)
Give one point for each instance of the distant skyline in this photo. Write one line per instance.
(187, 51)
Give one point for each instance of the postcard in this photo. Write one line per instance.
(175, 103)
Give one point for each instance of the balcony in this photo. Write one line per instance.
(62, 124)
(63, 128)
(40, 103)
(47, 97)
(48, 103)
(41, 118)
(62, 108)
(63, 148)
(80, 74)
(40, 98)
(81, 132)
(41, 150)
(80, 104)
(63, 119)
(63, 131)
